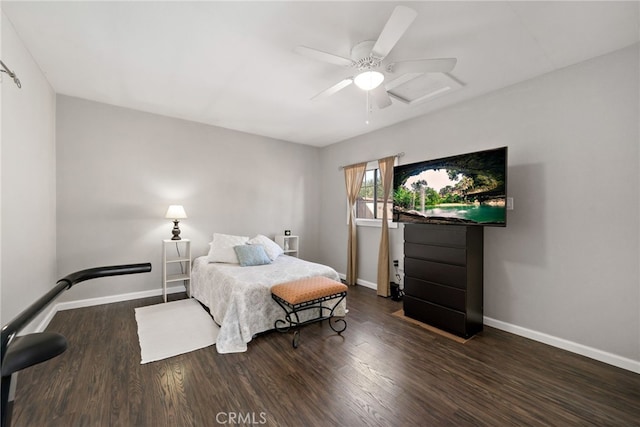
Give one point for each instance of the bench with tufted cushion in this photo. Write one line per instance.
(306, 294)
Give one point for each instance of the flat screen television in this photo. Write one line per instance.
(467, 189)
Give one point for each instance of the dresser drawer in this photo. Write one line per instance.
(432, 292)
(443, 235)
(435, 315)
(445, 274)
(450, 255)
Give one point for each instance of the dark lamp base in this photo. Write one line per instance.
(176, 230)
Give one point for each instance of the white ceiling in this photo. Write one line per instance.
(231, 64)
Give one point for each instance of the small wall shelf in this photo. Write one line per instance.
(176, 264)
(290, 244)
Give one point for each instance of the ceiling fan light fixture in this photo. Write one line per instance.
(369, 80)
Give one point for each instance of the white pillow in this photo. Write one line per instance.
(272, 249)
(222, 248)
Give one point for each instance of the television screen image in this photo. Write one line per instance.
(467, 189)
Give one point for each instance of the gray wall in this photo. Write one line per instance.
(567, 263)
(28, 230)
(119, 170)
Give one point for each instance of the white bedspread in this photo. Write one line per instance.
(239, 298)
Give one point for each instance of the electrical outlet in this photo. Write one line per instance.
(509, 203)
(395, 263)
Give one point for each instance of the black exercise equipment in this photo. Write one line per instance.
(22, 352)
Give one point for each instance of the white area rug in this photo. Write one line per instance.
(173, 328)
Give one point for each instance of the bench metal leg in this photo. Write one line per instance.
(292, 319)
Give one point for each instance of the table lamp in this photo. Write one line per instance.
(176, 213)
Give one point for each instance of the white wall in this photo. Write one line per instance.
(28, 262)
(567, 263)
(119, 170)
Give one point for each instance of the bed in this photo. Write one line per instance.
(239, 298)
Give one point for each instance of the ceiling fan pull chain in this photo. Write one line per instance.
(368, 108)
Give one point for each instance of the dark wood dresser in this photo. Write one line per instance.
(443, 280)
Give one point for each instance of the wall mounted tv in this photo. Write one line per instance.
(467, 189)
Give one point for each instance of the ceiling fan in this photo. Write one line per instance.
(368, 58)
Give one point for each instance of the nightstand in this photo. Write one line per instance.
(176, 264)
(290, 244)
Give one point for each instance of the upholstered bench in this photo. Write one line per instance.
(312, 293)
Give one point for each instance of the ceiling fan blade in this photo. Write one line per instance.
(395, 27)
(381, 96)
(323, 56)
(333, 89)
(440, 65)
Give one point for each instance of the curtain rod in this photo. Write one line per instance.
(11, 74)
(396, 155)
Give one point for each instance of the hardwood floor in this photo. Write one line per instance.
(383, 372)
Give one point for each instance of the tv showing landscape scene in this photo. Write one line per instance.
(467, 189)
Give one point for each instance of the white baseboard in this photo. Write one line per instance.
(593, 353)
(361, 282)
(367, 284)
(44, 322)
(583, 350)
(70, 305)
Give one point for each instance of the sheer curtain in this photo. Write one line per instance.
(353, 179)
(386, 176)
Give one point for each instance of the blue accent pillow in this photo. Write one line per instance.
(249, 255)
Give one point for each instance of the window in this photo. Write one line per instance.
(370, 199)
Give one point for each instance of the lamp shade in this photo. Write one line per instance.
(369, 80)
(176, 212)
